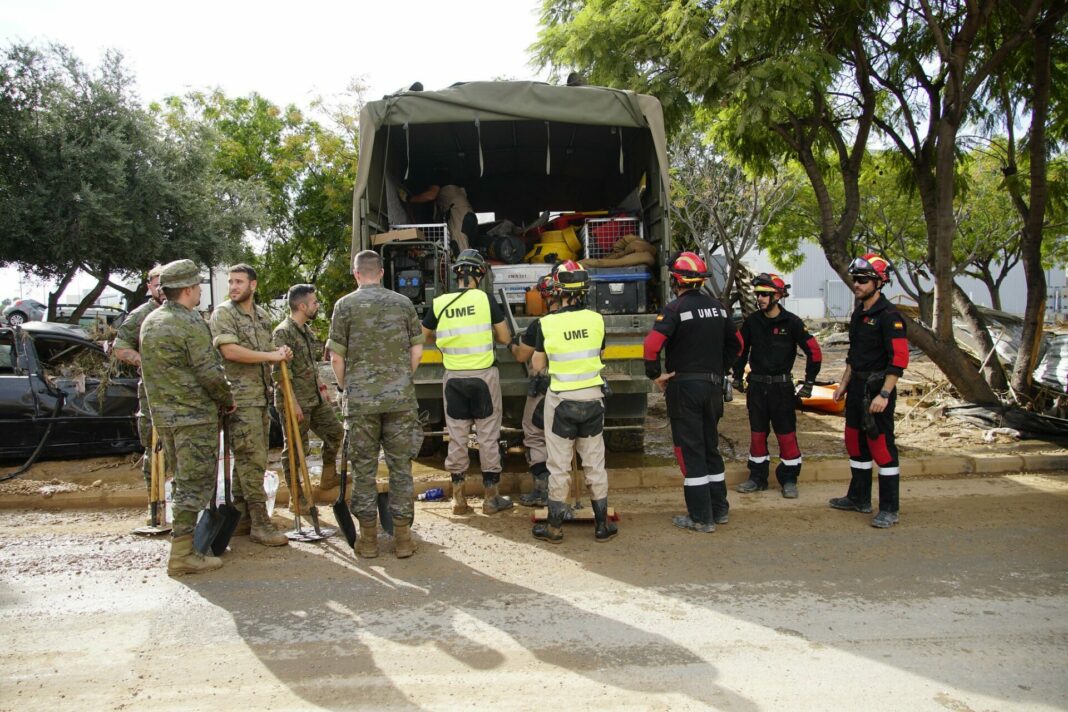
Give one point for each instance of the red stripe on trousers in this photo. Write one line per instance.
(879, 452)
(758, 444)
(788, 448)
(682, 463)
(852, 441)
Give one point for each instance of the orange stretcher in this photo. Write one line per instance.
(822, 400)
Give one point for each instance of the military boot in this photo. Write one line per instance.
(539, 497)
(186, 560)
(367, 544)
(329, 479)
(751, 485)
(263, 531)
(402, 537)
(603, 529)
(459, 501)
(493, 501)
(244, 524)
(552, 530)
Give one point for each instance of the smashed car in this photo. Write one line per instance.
(55, 376)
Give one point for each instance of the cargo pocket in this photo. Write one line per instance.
(468, 399)
(578, 419)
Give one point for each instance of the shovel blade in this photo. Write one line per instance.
(208, 527)
(384, 515)
(230, 516)
(344, 521)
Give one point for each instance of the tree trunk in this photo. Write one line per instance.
(89, 299)
(954, 363)
(993, 371)
(1034, 217)
(53, 296)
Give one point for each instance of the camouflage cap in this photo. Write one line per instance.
(180, 273)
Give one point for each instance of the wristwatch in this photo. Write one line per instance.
(885, 394)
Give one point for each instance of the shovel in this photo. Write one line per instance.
(230, 514)
(299, 467)
(156, 493)
(210, 523)
(341, 509)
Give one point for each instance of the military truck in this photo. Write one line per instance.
(590, 160)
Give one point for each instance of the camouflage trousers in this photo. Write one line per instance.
(322, 420)
(144, 433)
(249, 430)
(194, 450)
(393, 433)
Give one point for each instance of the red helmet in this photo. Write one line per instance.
(770, 283)
(572, 277)
(871, 265)
(688, 268)
(547, 285)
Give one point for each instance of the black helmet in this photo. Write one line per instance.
(470, 262)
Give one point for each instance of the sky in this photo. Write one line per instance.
(290, 52)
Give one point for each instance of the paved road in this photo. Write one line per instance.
(964, 606)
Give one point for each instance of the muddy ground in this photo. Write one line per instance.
(963, 606)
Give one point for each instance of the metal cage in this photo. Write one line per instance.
(600, 234)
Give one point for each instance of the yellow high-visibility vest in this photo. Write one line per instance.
(465, 332)
(573, 345)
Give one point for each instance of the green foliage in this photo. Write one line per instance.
(89, 180)
(305, 170)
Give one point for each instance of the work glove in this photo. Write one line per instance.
(652, 369)
(738, 384)
(805, 390)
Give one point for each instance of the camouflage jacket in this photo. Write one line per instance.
(183, 374)
(304, 368)
(231, 325)
(373, 329)
(128, 335)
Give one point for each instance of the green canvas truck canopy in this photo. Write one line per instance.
(518, 148)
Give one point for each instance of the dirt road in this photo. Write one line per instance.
(964, 606)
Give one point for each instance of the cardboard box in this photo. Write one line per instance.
(409, 233)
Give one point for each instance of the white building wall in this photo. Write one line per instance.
(816, 290)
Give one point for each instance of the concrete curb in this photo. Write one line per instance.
(618, 479)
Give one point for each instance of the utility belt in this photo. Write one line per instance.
(778, 378)
(713, 378)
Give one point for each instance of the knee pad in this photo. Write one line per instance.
(538, 417)
(468, 399)
(578, 419)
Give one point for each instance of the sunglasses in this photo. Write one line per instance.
(861, 280)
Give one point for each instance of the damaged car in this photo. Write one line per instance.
(56, 386)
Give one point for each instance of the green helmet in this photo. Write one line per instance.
(470, 262)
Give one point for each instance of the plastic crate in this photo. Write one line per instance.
(600, 234)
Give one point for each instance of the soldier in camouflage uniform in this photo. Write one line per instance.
(314, 410)
(127, 348)
(375, 346)
(243, 336)
(186, 388)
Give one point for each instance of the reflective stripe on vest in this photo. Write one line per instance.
(573, 345)
(464, 334)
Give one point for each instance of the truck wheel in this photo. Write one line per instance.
(624, 440)
(431, 443)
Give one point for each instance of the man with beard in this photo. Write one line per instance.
(878, 355)
(127, 348)
(314, 410)
(772, 336)
(242, 334)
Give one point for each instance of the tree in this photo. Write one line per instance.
(811, 82)
(91, 182)
(303, 168)
(717, 205)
